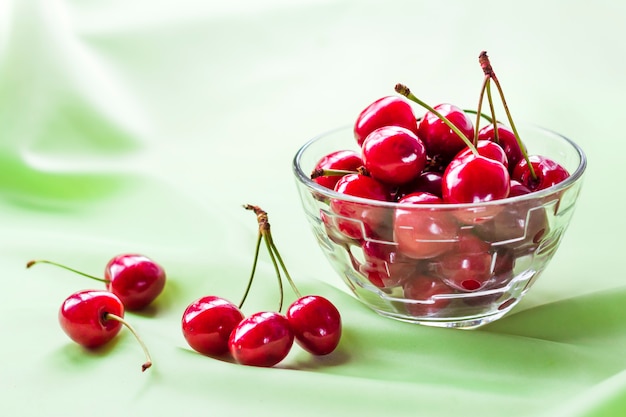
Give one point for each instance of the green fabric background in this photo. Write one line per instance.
(143, 126)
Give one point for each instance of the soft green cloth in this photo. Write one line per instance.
(143, 126)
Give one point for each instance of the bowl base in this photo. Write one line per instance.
(467, 323)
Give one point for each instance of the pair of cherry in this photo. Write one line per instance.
(215, 326)
(92, 317)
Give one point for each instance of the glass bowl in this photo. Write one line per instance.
(446, 265)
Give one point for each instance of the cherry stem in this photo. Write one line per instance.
(43, 261)
(485, 64)
(254, 263)
(321, 172)
(496, 134)
(406, 92)
(148, 363)
(481, 96)
(277, 261)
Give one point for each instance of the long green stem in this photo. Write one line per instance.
(43, 261)
(496, 137)
(254, 263)
(148, 363)
(268, 243)
(282, 264)
(479, 108)
(406, 92)
(485, 64)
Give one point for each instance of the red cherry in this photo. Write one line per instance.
(316, 324)
(208, 322)
(427, 181)
(386, 111)
(84, 317)
(92, 318)
(467, 271)
(384, 266)
(547, 171)
(475, 179)
(426, 289)
(136, 279)
(361, 219)
(393, 155)
(345, 160)
(506, 139)
(261, 339)
(517, 188)
(487, 149)
(423, 233)
(439, 139)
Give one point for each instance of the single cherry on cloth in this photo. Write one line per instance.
(343, 160)
(316, 324)
(92, 318)
(386, 111)
(208, 322)
(441, 141)
(136, 279)
(393, 155)
(261, 339)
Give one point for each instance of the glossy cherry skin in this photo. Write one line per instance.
(439, 139)
(316, 324)
(384, 265)
(345, 160)
(548, 173)
(423, 234)
(135, 279)
(360, 218)
(393, 155)
(506, 139)
(208, 322)
(475, 179)
(487, 149)
(386, 111)
(83, 317)
(427, 181)
(261, 339)
(425, 289)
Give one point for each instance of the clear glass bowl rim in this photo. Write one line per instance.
(315, 187)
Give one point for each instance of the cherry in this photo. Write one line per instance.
(517, 189)
(384, 266)
(475, 179)
(261, 339)
(265, 338)
(360, 219)
(393, 155)
(506, 139)
(423, 233)
(439, 139)
(92, 318)
(344, 160)
(316, 323)
(425, 289)
(547, 172)
(386, 111)
(486, 148)
(208, 322)
(135, 279)
(427, 181)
